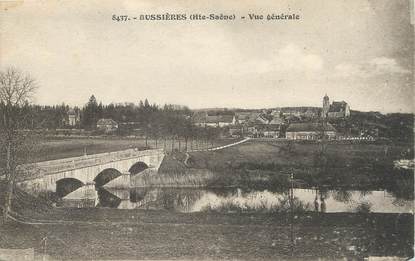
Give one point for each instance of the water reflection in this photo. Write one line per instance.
(107, 199)
(232, 199)
(344, 195)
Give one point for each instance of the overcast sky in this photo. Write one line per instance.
(358, 51)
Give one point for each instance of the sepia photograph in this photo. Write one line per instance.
(207, 130)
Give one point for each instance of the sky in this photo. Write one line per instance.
(358, 51)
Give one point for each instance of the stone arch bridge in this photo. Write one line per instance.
(98, 169)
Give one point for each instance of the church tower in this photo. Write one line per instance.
(326, 106)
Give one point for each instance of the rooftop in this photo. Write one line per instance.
(338, 106)
(106, 122)
(310, 126)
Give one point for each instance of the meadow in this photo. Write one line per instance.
(269, 164)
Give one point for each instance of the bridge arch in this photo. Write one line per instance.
(106, 176)
(138, 167)
(67, 185)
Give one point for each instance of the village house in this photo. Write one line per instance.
(261, 119)
(211, 121)
(310, 131)
(203, 119)
(276, 113)
(252, 131)
(276, 121)
(246, 117)
(107, 125)
(199, 118)
(74, 117)
(236, 131)
(261, 124)
(242, 117)
(220, 120)
(311, 113)
(270, 131)
(226, 120)
(299, 113)
(288, 111)
(292, 118)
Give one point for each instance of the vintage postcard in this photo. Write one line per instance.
(207, 130)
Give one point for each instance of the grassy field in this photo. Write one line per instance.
(300, 154)
(57, 148)
(267, 164)
(48, 149)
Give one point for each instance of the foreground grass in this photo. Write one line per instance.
(164, 235)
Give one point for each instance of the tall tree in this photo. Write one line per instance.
(16, 88)
(90, 113)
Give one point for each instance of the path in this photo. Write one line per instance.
(214, 149)
(224, 146)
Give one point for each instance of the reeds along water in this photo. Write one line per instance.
(256, 201)
(188, 178)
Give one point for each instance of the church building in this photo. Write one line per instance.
(335, 110)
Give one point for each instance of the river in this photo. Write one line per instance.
(234, 199)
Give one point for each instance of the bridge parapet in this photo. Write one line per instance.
(54, 166)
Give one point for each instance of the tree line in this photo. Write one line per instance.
(173, 123)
